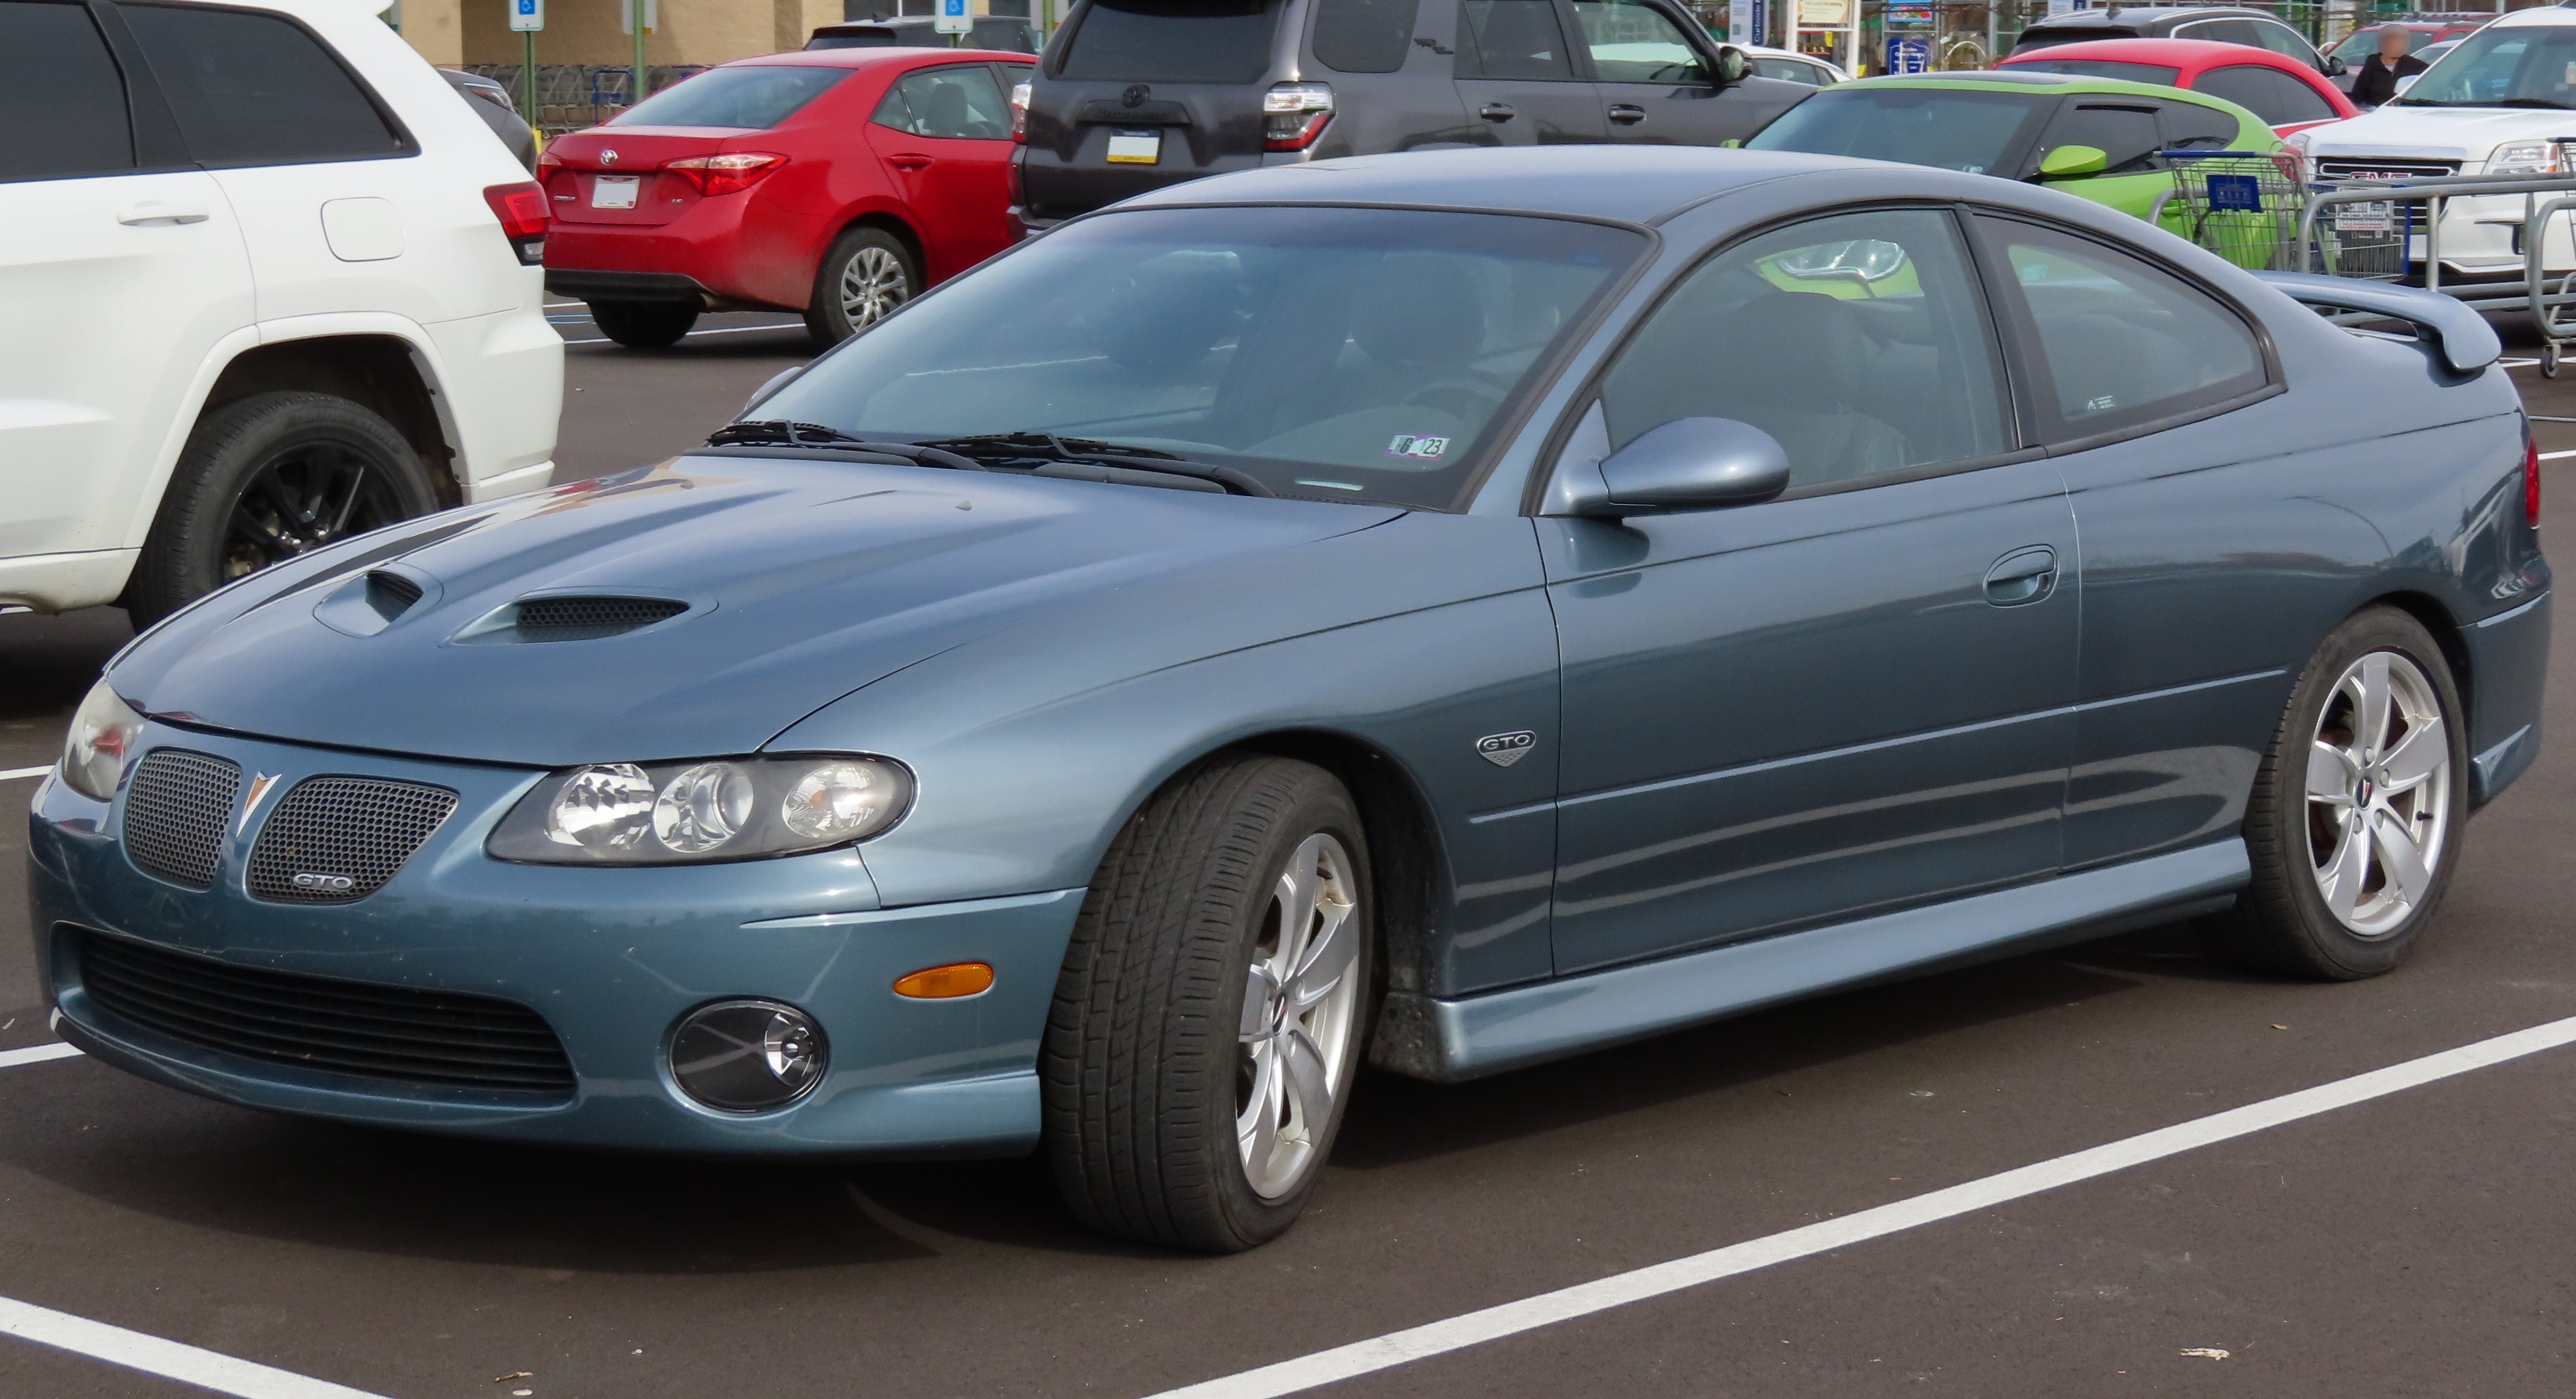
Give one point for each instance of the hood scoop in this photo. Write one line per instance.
(571, 617)
(372, 601)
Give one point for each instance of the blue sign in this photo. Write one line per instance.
(2241, 193)
(1909, 55)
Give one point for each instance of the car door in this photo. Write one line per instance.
(944, 137)
(1849, 698)
(2136, 373)
(121, 267)
(2126, 132)
(1659, 86)
(1516, 76)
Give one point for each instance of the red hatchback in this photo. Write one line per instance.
(839, 183)
(2285, 93)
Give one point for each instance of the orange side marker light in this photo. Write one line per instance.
(946, 983)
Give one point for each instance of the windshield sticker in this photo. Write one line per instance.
(1408, 445)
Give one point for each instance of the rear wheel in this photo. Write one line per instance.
(643, 325)
(866, 275)
(2358, 810)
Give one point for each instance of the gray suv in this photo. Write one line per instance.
(1133, 95)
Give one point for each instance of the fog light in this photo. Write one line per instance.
(748, 1056)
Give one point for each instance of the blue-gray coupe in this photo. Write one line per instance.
(1447, 610)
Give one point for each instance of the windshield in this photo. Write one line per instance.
(2520, 67)
(1955, 130)
(740, 97)
(1339, 354)
(2155, 73)
(1171, 41)
(2362, 43)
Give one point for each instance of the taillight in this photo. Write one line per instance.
(521, 208)
(1294, 114)
(2530, 479)
(726, 174)
(1020, 112)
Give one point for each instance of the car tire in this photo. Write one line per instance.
(643, 325)
(1157, 1084)
(2352, 833)
(865, 276)
(264, 479)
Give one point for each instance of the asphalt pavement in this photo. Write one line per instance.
(2417, 1243)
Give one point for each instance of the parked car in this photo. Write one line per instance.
(997, 32)
(294, 300)
(1134, 95)
(2421, 34)
(492, 103)
(2215, 23)
(837, 182)
(2101, 138)
(2284, 92)
(1454, 610)
(2496, 105)
(1791, 66)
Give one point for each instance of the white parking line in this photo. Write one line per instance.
(169, 1359)
(1583, 1299)
(13, 774)
(36, 1054)
(2556, 456)
(720, 330)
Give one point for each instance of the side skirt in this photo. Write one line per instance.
(1485, 1034)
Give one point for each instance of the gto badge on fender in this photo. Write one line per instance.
(1503, 750)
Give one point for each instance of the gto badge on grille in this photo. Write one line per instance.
(332, 883)
(259, 786)
(1503, 750)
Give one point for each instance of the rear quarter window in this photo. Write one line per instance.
(258, 89)
(1364, 36)
(754, 97)
(1171, 41)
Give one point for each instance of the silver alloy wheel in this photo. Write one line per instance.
(872, 285)
(2379, 793)
(1300, 1010)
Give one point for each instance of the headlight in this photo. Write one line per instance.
(2525, 157)
(104, 729)
(702, 811)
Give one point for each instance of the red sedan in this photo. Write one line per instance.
(2286, 93)
(838, 182)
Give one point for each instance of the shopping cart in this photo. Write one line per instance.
(2242, 205)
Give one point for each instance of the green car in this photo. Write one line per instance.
(2100, 138)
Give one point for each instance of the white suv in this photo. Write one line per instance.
(267, 282)
(2498, 104)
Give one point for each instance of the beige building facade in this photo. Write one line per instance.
(458, 33)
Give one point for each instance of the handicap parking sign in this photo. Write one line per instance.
(954, 18)
(527, 14)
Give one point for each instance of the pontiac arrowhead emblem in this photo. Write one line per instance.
(259, 786)
(1503, 750)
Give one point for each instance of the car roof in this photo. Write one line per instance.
(872, 57)
(2190, 55)
(2077, 84)
(1631, 184)
(2538, 16)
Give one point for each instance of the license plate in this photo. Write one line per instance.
(2376, 217)
(1135, 147)
(614, 191)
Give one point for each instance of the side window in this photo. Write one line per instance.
(2222, 31)
(2118, 342)
(2190, 126)
(1860, 341)
(2248, 85)
(2283, 40)
(257, 89)
(1511, 39)
(1364, 36)
(1633, 43)
(959, 103)
(64, 103)
(2296, 101)
(2126, 136)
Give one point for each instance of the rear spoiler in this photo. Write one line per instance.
(2463, 338)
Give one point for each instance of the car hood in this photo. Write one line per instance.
(2436, 133)
(803, 581)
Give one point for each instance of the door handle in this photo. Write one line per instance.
(154, 211)
(1627, 113)
(908, 162)
(1495, 111)
(2022, 576)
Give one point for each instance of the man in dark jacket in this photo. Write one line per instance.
(2380, 72)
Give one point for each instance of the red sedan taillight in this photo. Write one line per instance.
(521, 208)
(726, 174)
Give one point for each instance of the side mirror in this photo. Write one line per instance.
(1731, 66)
(2073, 163)
(1686, 464)
(2335, 67)
(2405, 83)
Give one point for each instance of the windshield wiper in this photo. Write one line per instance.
(2535, 102)
(776, 432)
(1039, 447)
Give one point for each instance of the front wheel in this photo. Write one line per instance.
(1210, 1014)
(865, 276)
(2358, 810)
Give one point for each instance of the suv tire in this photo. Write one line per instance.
(266, 478)
(1175, 1112)
(866, 275)
(643, 325)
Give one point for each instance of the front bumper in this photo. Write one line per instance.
(610, 958)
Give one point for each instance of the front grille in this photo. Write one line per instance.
(2356, 167)
(589, 618)
(335, 840)
(350, 1027)
(175, 809)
